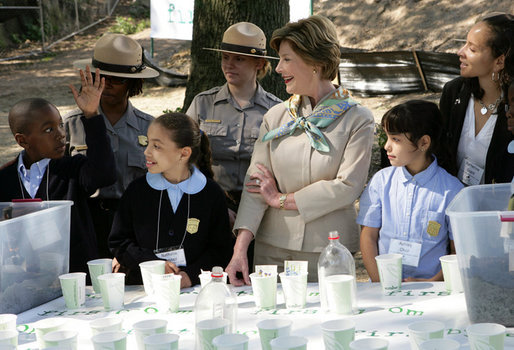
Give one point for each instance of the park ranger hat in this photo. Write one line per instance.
(244, 38)
(119, 56)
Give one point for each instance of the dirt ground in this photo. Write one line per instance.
(438, 25)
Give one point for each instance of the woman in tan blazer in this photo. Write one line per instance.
(310, 162)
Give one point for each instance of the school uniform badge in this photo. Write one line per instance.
(192, 225)
(433, 228)
(143, 140)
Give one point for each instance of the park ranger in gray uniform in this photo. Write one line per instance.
(120, 60)
(231, 114)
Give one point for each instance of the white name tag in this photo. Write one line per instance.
(471, 173)
(411, 251)
(176, 256)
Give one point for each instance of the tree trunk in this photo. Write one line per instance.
(211, 19)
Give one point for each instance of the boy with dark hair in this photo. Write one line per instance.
(42, 171)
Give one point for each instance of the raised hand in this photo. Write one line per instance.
(88, 99)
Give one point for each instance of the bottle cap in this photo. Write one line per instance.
(333, 235)
(217, 272)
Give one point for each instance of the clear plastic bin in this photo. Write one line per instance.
(34, 251)
(485, 251)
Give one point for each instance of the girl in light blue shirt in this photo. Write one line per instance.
(402, 210)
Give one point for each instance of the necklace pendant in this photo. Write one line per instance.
(483, 110)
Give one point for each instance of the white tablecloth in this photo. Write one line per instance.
(379, 315)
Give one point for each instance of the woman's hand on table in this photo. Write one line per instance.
(239, 261)
(263, 182)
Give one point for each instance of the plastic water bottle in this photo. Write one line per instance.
(335, 259)
(216, 301)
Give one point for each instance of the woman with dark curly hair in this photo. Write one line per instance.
(120, 60)
(473, 105)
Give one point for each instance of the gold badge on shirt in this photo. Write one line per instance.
(143, 140)
(433, 228)
(192, 225)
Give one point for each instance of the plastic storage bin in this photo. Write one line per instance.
(485, 251)
(34, 251)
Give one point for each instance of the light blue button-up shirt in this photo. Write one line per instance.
(31, 178)
(402, 206)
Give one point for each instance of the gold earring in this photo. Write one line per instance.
(314, 71)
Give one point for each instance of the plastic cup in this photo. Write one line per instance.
(295, 290)
(45, 326)
(390, 272)
(439, 344)
(164, 341)
(143, 329)
(8, 322)
(66, 340)
(486, 336)
(231, 341)
(338, 334)
(424, 330)
(9, 337)
(339, 290)
(271, 329)
(116, 340)
(205, 277)
(73, 287)
(207, 330)
(264, 290)
(149, 267)
(96, 268)
(105, 324)
(112, 288)
(451, 273)
(166, 291)
(289, 342)
(369, 344)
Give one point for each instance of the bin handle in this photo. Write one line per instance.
(507, 216)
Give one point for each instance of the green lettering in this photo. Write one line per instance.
(151, 310)
(396, 310)
(373, 334)
(424, 293)
(414, 312)
(408, 293)
(390, 334)
(122, 310)
(361, 311)
(453, 331)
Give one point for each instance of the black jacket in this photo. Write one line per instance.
(499, 166)
(72, 178)
(134, 230)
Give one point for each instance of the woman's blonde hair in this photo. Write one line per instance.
(314, 39)
(266, 68)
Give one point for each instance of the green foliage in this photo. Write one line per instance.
(381, 135)
(128, 25)
(177, 110)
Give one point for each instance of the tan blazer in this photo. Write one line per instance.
(325, 185)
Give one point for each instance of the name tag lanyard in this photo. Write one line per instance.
(159, 220)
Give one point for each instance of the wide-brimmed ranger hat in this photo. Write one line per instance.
(118, 55)
(244, 38)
